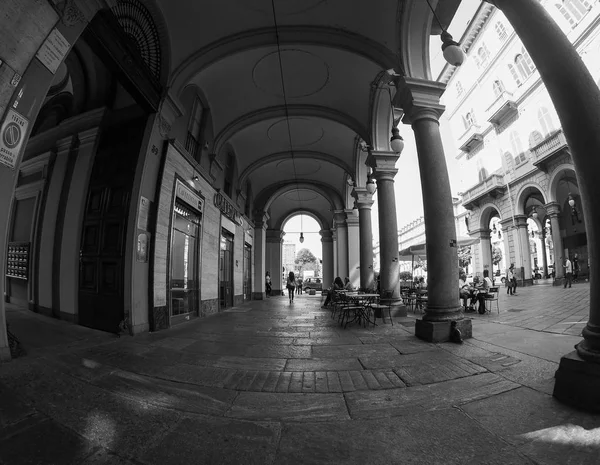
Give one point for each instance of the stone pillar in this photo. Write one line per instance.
(422, 111)
(327, 244)
(485, 251)
(274, 259)
(352, 222)
(342, 243)
(524, 264)
(364, 200)
(574, 92)
(543, 252)
(335, 253)
(553, 210)
(384, 170)
(260, 255)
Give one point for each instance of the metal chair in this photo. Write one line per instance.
(492, 296)
(385, 301)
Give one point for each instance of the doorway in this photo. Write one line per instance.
(226, 270)
(247, 272)
(184, 284)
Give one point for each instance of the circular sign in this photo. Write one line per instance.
(12, 135)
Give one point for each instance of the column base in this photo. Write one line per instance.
(399, 309)
(259, 296)
(578, 383)
(439, 331)
(5, 354)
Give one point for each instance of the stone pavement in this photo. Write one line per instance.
(274, 383)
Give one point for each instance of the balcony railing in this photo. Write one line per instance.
(502, 109)
(493, 186)
(471, 138)
(550, 147)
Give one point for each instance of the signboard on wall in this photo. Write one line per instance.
(189, 196)
(12, 135)
(143, 213)
(227, 208)
(53, 50)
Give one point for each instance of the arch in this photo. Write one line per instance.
(297, 154)
(524, 193)
(381, 112)
(282, 111)
(288, 35)
(415, 34)
(486, 212)
(556, 176)
(269, 194)
(318, 217)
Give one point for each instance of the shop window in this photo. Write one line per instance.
(545, 120)
(192, 141)
(501, 31)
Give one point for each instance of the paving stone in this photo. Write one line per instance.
(321, 381)
(382, 380)
(393, 377)
(352, 351)
(283, 384)
(370, 379)
(174, 343)
(296, 381)
(308, 382)
(12, 408)
(358, 381)
(271, 381)
(208, 440)
(235, 376)
(246, 380)
(333, 382)
(259, 381)
(323, 365)
(346, 381)
(289, 407)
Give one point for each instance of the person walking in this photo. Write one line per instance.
(268, 283)
(568, 272)
(575, 268)
(291, 286)
(299, 285)
(510, 276)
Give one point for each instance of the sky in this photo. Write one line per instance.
(409, 198)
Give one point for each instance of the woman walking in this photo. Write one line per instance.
(291, 285)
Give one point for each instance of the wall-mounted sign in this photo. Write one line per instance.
(143, 213)
(227, 208)
(142, 248)
(12, 135)
(188, 196)
(53, 50)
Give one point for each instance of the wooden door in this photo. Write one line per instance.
(101, 267)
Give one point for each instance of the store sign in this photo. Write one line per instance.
(53, 50)
(227, 208)
(188, 196)
(12, 135)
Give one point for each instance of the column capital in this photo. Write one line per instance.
(553, 209)
(381, 160)
(339, 218)
(363, 198)
(521, 221)
(261, 219)
(483, 233)
(352, 221)
(334, 234)
(420, 99)
(275, 235)
(326, 235)
(506, 223)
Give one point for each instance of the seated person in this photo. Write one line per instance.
(348, 285)
(483, 291)
(337, 285)
(466, 291)
(422, 283)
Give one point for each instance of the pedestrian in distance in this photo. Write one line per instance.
(291, 286)
(568, 272)
(510, 278)
(268, 283)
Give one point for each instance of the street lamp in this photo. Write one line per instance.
(451, 50)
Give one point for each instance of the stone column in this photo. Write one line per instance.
(335, 253)
(485, 251)
(384, 170)
(543, 252)
(553, 210)
(422, 111)
(327, 244)
(364, 200)
(260, 255)
(352, 222)
(274, 260)
(524, 263)
(342, 243)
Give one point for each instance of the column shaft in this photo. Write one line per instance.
(559, 271)
(274, 260)
(260, 255)
(327, 251)
(364, 202)
(342, 243)
(353, 248)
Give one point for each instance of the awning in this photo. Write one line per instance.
(418, 250)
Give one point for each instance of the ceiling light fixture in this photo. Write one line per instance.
(396, 141)
(451, 50)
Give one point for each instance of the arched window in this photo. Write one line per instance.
(514, 74)
(459, 89)
(498, 88)
(192, 141)
(483, 54)
(517, 148)
(545, 120)
(535, 138)
(508, 159)
(483, 174)
(574, 10)
(523, 64)
(501, 30)
(469, 120)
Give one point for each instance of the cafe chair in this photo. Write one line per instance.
(492, 296)
(385, 302)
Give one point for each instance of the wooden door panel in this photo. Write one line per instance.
(110, 277)
(90, 243)
(88, 275)
(112, 237)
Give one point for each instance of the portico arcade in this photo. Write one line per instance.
(234, 108)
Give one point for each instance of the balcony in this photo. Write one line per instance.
(493, 186)
(502, 109)
(471, 138)
(550, 148)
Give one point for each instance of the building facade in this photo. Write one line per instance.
(517, 177)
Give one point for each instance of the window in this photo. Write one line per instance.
(508, 159)
(501, 31)
(524, 64)
(517, 148)
(469, 120)
(574, 10)
(228, 169)
(459, 89)
(515, 75)
(545, 120)
(483, 174)
(535, 138)
(498, 88)
(192, 141)
(482, 54)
